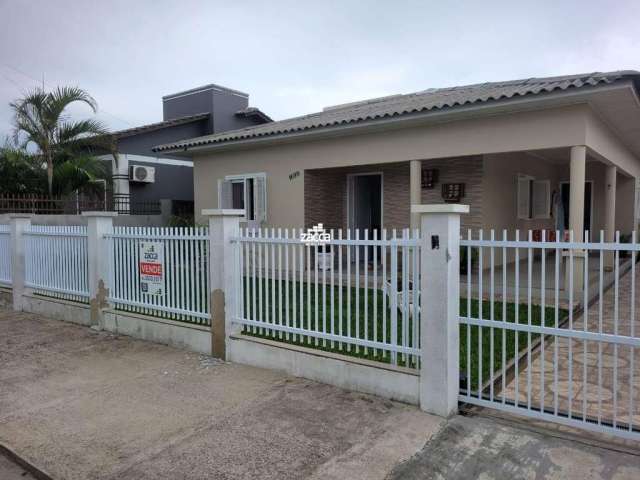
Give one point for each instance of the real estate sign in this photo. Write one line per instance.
(151, 268)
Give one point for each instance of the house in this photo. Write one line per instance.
(141, 177)
(540, 153)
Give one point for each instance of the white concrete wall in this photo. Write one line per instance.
(196, 338)
(338, 370)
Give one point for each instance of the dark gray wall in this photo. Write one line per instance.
(173, 182)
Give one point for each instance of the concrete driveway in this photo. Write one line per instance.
(83, 404)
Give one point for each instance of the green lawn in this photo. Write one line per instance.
(316, 315)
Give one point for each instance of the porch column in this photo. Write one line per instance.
(415, 178)
(610, 211)
(576, 221)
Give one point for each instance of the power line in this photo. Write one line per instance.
(43, 83)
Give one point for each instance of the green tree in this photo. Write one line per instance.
(41, 121)
(20, 172)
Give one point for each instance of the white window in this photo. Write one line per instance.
(534, 198)
(541, 199)
(245, 192)
(524, 197)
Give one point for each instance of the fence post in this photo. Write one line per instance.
(19, 223)
(98, 225)
(439, 306)
(223, 225)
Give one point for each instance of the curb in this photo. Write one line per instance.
(34, 470)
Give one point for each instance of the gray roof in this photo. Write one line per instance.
(419, 102)
(160, 125)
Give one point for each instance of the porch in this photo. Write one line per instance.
(509, 194)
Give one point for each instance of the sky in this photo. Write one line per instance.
(296, 57)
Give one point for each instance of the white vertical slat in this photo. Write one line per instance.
(340, 296)
(529, 308)
(365, 325)
(357, 287)
(393, 297)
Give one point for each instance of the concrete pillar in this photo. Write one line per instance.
(415, 180)
(224, 224)
(610, 211)
(120, 177)
(99, 224)
(576, 219)
(576, 197)
(439, 306)
(19, 223)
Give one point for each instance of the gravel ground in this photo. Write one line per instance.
(91, 405)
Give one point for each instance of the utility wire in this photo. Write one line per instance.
(43, 83)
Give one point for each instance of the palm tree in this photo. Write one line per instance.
(41, 121)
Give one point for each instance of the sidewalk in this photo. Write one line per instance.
(90, 405)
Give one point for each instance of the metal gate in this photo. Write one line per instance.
(548, 329)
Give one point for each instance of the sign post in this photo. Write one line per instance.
(151, 268)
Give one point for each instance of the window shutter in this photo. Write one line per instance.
(261, 198)
(524, 197)
(541, 204)
(225, 194)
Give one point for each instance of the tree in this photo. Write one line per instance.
(20, 172)
(40, 120)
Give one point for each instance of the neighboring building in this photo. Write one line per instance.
(541, 153)
(142, 176)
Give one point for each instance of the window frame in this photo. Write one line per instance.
(243, 178)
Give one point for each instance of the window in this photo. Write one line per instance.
(245, 192)
(534, 198)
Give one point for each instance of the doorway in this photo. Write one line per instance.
(364, 196)
(565, 191)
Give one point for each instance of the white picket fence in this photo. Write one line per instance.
(186, 291)
(353, 294)
(56, 261)
(5, 255)
(557, 334)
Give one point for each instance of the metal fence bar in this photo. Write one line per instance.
(572, 360)
(335, 295)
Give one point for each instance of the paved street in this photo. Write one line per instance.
(487, 448)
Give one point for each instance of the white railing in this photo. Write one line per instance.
(185, 294)
(5, 255)
(557, 334)
(353, 294)
(56, 261)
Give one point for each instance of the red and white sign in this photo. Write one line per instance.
(151, 268)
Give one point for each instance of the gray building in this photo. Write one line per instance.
(141, 178)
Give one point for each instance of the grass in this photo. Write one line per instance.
(371, 318)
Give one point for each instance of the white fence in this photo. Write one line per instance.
(186, 291)
(5, 255)
(550, 340)
(353, 294)
(56, 261)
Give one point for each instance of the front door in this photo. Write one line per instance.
(365, 208)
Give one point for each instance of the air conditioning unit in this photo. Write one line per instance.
(142, 174)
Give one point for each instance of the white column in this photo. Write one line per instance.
(224, 224)
(610, 210)
(439, 306)
(120, 178)
(99, 224)
(576, 197)
(576, 222)
(19, 223)
(415, 179)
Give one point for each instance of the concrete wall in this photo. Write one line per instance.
(341, 371)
